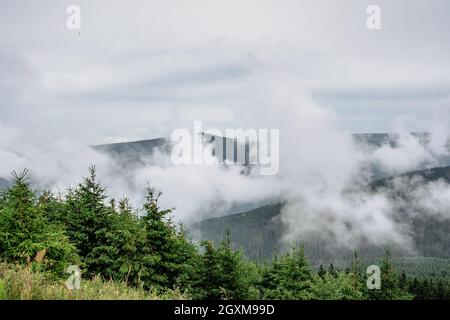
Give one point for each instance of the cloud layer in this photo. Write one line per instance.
(144, 65)
(141, 69)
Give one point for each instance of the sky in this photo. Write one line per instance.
(139, 69)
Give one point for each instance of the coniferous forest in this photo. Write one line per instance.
(124, 252)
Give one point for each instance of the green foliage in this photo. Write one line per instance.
(341, 286)
(125, 246)
(289, 277)
(423, 267)
(22, 283)
(390, 289)
(321, 273)
(89, 223)
(26, 235)
(224, 274)
(126, 253)
(169, 253)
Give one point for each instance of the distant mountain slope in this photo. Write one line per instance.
(431, 174)
(4, 183)
(259, 231)
(379, 139)
(142, 151)
(134, 152)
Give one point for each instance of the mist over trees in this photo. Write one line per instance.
(41, 234)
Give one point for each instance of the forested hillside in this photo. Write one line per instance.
(259, 231)
(140, 253)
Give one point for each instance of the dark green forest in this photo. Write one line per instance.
(138, 253)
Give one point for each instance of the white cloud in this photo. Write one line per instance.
(143, 68)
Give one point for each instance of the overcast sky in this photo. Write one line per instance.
(139, 69)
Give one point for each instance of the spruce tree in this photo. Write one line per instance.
(292, 276)
(390, 289)
(331, 270)
(169, 252)
(321, 273)
(224, 274)
(440, 291)
(209, 275)
(128, 239)
(233, 271)
(414, 287)
(26, 235)
(89, 223)
(403, 281)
